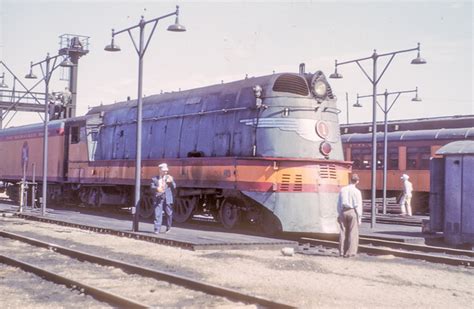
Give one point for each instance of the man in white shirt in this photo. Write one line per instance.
(405, 201)
(349, 209)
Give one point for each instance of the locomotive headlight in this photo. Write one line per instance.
(320, 89)
(319, 86)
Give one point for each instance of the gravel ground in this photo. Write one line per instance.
(19, 289)
(111, 279)
(305, 281)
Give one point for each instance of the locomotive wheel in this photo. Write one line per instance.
(95, 197)
(229, 213)
(183, 208)
(146, 205)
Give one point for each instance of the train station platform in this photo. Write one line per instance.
(399, 232)
(210, 235)
(187, 236)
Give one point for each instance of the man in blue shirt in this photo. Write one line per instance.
(162, 186)
(349, 209)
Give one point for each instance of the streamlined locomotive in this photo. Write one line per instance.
(264, 150)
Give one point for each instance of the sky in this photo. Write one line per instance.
(225, 40)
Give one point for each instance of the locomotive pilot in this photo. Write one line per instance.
(161, 187)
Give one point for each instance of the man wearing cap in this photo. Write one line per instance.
(405, 201)
(349, 209)
(161, 187)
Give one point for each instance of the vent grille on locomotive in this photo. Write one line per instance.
(330, 94)
(291, 84)
(327, 171)
(286, 183)
(298, 186)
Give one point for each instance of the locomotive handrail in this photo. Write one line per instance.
(224, 110)
(334, 110)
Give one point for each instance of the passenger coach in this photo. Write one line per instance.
(411, 145)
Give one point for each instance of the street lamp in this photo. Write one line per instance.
(141, 49)
(374, 81)
(357, 104)
(386, 109)
(47, 71)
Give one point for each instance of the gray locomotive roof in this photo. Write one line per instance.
(458, 147)
(196, 92)
(438, 134)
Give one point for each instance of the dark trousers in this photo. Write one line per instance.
(160, 204)
(349, 236)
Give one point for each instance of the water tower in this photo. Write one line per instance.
(75, 46)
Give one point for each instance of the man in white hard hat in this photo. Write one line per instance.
(405, 201)
(161, 187)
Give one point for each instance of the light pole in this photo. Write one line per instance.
(141, 49)
(386, 109)
(46, 71)
(2, 86)
(374, 81)
(347, 108)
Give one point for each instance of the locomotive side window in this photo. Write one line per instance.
(75, 135)
(92, 136)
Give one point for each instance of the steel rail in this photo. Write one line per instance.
(152, 273)
(398, 221)
(398, 253)
(97, 293)
(414, 247)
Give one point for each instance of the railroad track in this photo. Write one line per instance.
(369, 245)
(86, 268)
(394, 219)
(374, 246)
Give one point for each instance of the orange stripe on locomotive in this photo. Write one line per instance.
(263, 174)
